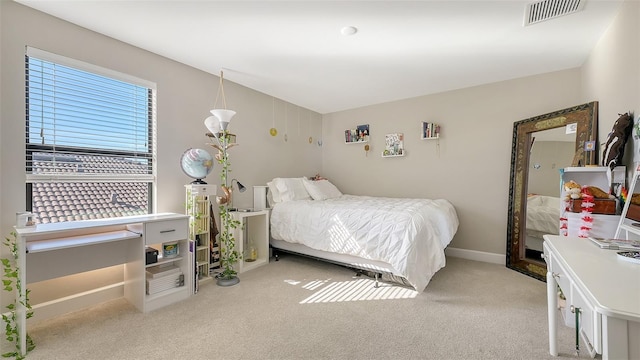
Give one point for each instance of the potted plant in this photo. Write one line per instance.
(228, 253)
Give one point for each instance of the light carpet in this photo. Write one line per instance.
(300, 308)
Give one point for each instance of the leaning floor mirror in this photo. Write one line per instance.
(542, 145)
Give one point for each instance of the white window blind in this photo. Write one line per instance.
(89, 136)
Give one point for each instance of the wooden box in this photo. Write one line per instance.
(602, 206)
(634, 212)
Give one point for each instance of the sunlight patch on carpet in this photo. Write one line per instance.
(314, 284)
(358, 290)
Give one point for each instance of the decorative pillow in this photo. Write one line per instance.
(322, 189)
(288, 189)
(616, 140)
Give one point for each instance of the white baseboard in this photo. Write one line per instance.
(493, 258)
(76, 302)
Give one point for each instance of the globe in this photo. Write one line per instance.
(197, 164)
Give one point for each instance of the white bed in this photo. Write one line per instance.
(405, 237)
(543, 217)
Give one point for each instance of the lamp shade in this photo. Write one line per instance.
(224, 116)
(213, 124)
(241, 187)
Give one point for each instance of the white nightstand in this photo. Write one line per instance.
(253, 231)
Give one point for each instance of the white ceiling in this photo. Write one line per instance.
(295, 50)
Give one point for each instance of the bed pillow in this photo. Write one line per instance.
(322, 189)
(288, 189)
(273, 195)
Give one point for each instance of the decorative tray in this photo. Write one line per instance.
(631, 256)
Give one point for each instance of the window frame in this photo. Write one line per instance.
(151, 155)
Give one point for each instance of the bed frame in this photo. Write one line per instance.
(361, 266)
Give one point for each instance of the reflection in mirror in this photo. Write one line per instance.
(633, 200)
(551, 150)
(634, 206)
(533, 171)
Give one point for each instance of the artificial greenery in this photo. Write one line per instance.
(228, 254)
(192, 207)
(11, 282)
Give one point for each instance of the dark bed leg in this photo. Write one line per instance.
(274, 252)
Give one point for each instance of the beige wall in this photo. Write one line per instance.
(185, 96)
(472, 166)
(611, 74)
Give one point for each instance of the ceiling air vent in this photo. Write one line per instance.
(550, 9)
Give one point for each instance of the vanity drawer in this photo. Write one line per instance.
(164, 231)
(590, 323)
(559, 274)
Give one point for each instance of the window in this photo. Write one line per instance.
(90, 135)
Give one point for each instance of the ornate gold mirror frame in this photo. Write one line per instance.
(585, 117)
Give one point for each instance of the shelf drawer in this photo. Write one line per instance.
(165, 231)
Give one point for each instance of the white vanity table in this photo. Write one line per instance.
(605, 289)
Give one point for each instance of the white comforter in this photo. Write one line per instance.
(408, 234)
(543, 214)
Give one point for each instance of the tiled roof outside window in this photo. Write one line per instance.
(69, 201)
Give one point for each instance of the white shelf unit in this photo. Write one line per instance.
(82, 246)
(430, 131)
(155, 235)
(252, 231)
(198, 207)
(603, 225)
(392, 156)
(358, 135)
(393, 145)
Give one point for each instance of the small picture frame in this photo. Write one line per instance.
(589, 145)
(394, 145)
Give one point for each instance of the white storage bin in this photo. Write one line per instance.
(163, 283)
(603, 226)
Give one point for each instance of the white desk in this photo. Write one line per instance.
(604, 288)
(53, 250)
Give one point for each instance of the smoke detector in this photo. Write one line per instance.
(550, 9)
